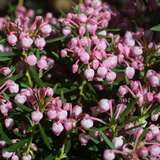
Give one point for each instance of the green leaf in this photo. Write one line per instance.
(3, 135)
(35, 76)
(56, 39)
(128, 109)
(106, 139)
(23, 107)
(17, 146)
(50, 157)
(156, 28)
(44, 137)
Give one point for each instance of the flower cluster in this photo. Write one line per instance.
(71, 85)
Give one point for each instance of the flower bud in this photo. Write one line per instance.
(9, 122)
(104, 105)
(36, 116)
(26, 42)
(87, 123)
(154, 81)
(14, 88)
(27, 157)
(137, 51)
(83, 138)
(154, 150)
(46, 29)
(143, 152)
(108, 155)
(40, 42)
(12, 39)
(66, 31)
(117, 142)
(82, 18)
(130, 72)
(111, 76)
(21, 99)
(6, 154)
(89, 74)
(77, 110)
(52, 114)
(62, 115)
(57, 128)
(101, 72)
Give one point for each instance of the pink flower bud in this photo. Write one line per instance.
(84, 57)
(46, 29)
(143, 152)
(12, 39)
(91, 28)
(27, 157)
(2, 143)
(83, 138)
(110, 62)
(154, 81)
(137, 51)
(154, 150)
(158, 137)
(157, 96)
(52, 114)
(36, 116)
(82, 18)
(109, 155)
(49, 92)
(77, 110)
(57, 128)
(101, 45)
(75, 68)
(14, 88)
(154, 117)
(62, 115)
(154, 129)
(149, 136)
(89, 74)
(68, 124)
(104, 105)
(82, 30)
(95, 64)
(15, 157)
(40, 42)
(66, 31)
(42, 63)
(87, 123)
(122, 91)
(117, 142)
(130, 72)
(149, 96)
(111, 76)
(101, 72)
(21, 99)
(4, 109)
(6, 154)
(9, 122)
(5, 71)
(63, 53)
(26, 42)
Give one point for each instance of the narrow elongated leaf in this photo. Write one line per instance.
(17, 146)
(3, 136)
(106, 139)
(56, 39)
(128, 109)
(50, 157)
(44, 136)
(156, 28)
(35, 76)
